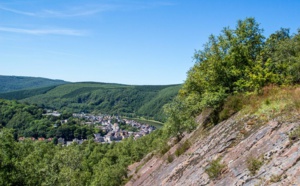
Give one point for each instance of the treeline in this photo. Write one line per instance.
(28, 121)
(240, 60)
(41, 163)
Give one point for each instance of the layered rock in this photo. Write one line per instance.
(235, 142)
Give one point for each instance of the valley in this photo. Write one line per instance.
(126, 100)
(234, 121)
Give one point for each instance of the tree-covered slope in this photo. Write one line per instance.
(249, 86)
(22, 94)
(13, 83)
(239, 60)
(146, 101)
(40, 162)
(28, 121)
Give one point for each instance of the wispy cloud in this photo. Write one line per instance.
(17, 11)
(88, 9)
(78, 11)
(69, 32)
(70, 12)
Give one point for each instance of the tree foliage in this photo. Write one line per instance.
(40, 163)
(237, 60)
(126, 100)
(28, 121)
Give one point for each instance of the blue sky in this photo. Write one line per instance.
(122, 41)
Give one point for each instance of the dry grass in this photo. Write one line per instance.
(215, 169)
(275, 178)
(273, 101)
(254, 164)
(295, 134)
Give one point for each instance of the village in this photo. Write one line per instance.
(111, 125)
(113, 128)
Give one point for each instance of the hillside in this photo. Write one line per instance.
(13, 83)
(236, 120)
(259, 145)
(127, 100)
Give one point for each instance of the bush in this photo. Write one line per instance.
(232, 105)
(295, 135)
(163, 148)
(215, 169)
(254, 164)
(275, 178)
(170, 158)
(182, 148)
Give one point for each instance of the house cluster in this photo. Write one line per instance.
(110, 125)
(67, 143)
(106, 123)
(95, 119)
(52, 113)
(116, 134)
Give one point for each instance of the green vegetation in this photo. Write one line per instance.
(13, 83)
(125, 100)
(215, 169)
(123, 126)
(232, 105)
(254, 164)
(275, 178)
(22, 94)
(40, 163)
(28, 162)
(238, 61)
(182, 148)
(239, 70)
(162, 148)
(170, 158)
(295, 134)
(28, 121)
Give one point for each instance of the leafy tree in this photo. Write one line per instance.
(237, 60)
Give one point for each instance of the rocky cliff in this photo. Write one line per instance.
(242, 150)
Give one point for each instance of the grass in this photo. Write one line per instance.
(233, 104)
(163, 148)
(295, 134)
(268, 103)
(215, 169)
(254, 164)
(170, 158)
(271, 102)
(275, 178)
(182, 148)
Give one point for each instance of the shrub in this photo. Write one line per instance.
(254, 164)
(163, 148)
(215, 169)
(170, 158)
(182, 148)
(295, 135)
(275, 178)
(232, 105)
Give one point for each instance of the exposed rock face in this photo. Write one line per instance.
(233, 141)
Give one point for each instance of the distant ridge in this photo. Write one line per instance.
(128, 100)
(14, 83)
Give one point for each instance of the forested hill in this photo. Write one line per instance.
(236, 116)
(127, 100)
(13, 83)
